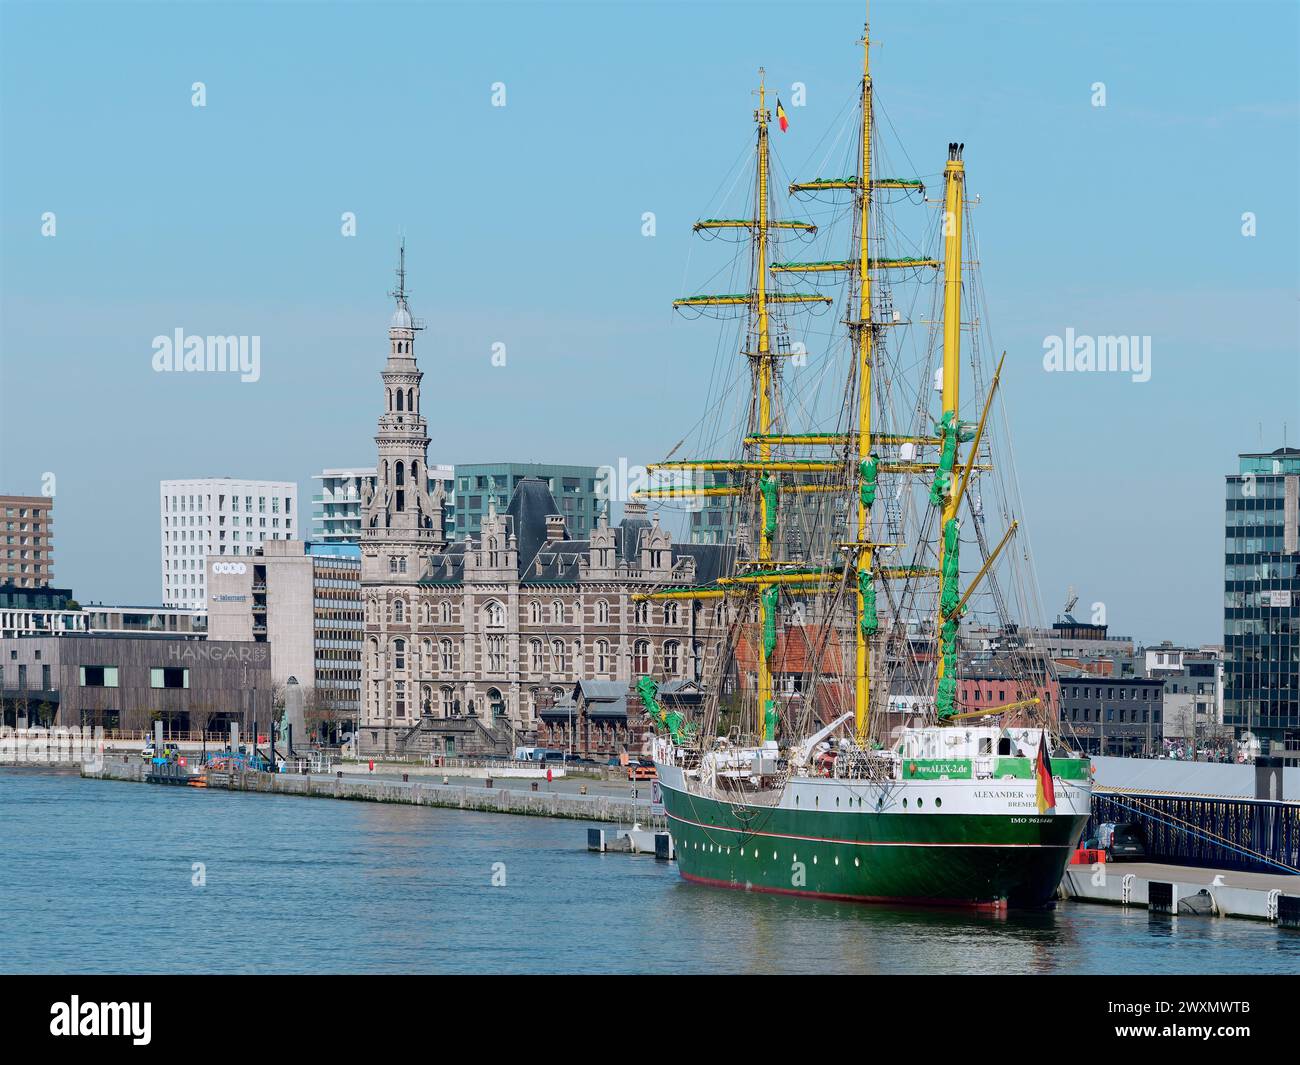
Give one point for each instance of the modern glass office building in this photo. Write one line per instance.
(480, 485)
(1261, 601)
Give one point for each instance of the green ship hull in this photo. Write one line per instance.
(985, 860)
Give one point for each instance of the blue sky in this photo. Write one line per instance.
(523, 226)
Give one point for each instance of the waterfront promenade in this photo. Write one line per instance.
(387, 787)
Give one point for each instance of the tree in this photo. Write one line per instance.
(201, 717)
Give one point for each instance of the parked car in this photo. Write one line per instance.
(1127, 843)
(642, 770)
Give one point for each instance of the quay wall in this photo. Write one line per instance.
(612, 809)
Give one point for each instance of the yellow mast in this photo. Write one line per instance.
(765, 368)
(954, 192)
(862, 707)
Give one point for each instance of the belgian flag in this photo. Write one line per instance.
(780, 116)
(1043, 773)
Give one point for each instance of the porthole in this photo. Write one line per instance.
(817, 800)
(794, 858)
(938, 802)
(837, 800)
(904, 804)
(856, 863)
(837, 859)
(920, 803)
(814, 859)
(774, 856)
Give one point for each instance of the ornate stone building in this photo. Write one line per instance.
(468, 641)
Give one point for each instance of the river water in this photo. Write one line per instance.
(100, 876)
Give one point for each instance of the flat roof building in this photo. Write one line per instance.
(304, 601)
(1261, 601)
(27, 552)
(217, 516)
(125, 682)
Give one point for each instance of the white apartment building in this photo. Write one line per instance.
(218, 516)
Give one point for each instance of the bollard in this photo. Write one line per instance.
(339, 774)
(534, 785)
(446, 779)
(582, 789)
(406, 777)
(487, 783)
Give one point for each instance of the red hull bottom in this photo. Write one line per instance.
(991, 906)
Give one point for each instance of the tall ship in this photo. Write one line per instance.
(879, 724)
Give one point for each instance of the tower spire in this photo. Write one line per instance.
(399, 293)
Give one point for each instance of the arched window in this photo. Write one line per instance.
(535, 654)
(641, 657)
(399, 654)
(445, 696)
(410, 399)
(401, 470)
(401, 396)
(672, 654)
(558, 656)
(426, 701)
(496, 702)
(399, 610)
(495, 615)
(557, 612)
(641, 616)
(446, 612)
(602, 656)
(602, 612)
(535, 612)
(496, 647)
(447, 662)
(671, 615)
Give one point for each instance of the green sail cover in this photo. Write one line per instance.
(870, 622)
(769, 721)
(946, 697)
(947, 431)
(950, 591)
(770, 598)
(767, 485)
(868, 472)
(949, 596)
(673, 722)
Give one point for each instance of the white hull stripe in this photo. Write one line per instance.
(871, 843)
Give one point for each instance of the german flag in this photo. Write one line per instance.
(780, 116)
(1043, 773)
